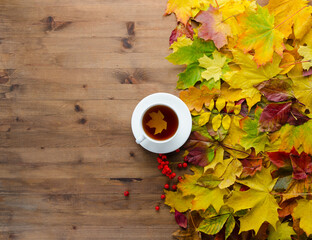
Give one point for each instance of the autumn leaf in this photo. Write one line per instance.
(191, 53)
(233, 169)
(216, 122)
(181, 8)
(303, 90)
(191, 75)
(226, 122)
(274, 116)
(301, 163)
(157, 122)
(195, 98)
(276, 90)
(306, 53)
(180, 219)
(181, 30)
(177, 201)
(303, 211)
(251, 75)
(294, 136)
(209, 181)
(203, 197)
(285, 12)
(214, 67)
(261, 36)
(181, 42)
(213, 27)
(253, 138)
(287, 63)
(198, 149)
(283, 232)
(204, 118)
(259, 199)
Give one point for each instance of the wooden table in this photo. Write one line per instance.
(71, 73)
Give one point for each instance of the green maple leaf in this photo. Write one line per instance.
(213, 223)
(283, 232)
(190, 76)
(261, 35)
(253, 138)
(214, 67)
(190, 54)
(203, 197)
(177, 201)
(303, 211)
(262, 204)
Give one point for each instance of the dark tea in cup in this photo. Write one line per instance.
(160, 122)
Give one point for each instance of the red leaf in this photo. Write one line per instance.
(279, 159)
(250, 167)
(180, 219)
(181, 30)
(296, 118)
(197, 146)
(302, 164)
(275, 90)
(274, 116)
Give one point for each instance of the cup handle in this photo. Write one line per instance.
(140, 139)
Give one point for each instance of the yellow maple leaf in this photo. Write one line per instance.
(226, 122)
(303, 90)
(259, 199)
(301, 28)
(182, 9)
(195, 98)
(285, 13)
(303, 211)
(232, 169)
(157, 122)
(181, 42)
(177, 201)
(250, 75)
(306, 52)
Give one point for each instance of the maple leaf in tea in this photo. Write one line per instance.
(157, 122)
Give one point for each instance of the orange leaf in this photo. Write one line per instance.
(195, 98)
(157, 122)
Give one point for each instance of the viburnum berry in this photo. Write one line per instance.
(159, 160)
(169, 171)
(160, 155)
(163, 196)
(126, 193)
(163, 157)
(178, 150)
(157, 208)
(179, 178)
(160, 167)
(184, 165)
(179, 165)
(172, 175)
(174, 187)
(164, 171)
(185, 159)
(167, 162)
(166, 186)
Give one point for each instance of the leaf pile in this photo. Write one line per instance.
(248, 85)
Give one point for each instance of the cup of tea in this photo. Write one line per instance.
(161, 123)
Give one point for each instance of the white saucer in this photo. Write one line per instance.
(184, 116)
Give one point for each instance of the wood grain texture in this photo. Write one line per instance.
(71, 73)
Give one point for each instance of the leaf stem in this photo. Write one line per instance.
(192, 220)
(294, 63)
(217, 3)
(289, 17)
(223, 145)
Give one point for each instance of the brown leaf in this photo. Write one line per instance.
(275, 90)
(287, 207)
(186, 235)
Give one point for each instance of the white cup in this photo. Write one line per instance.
(184, 123)
(144, 136)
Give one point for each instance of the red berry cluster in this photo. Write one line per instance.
(164, 166)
